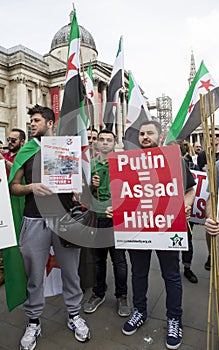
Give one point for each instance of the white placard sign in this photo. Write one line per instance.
(7, 230)
(201, 197)
(61, 163)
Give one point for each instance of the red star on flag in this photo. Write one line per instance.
(91, 93)
(128, 121)
(51, 263)
(84, 155)
(190, 107)
(206, 84)
(71, 66)
(85, 80)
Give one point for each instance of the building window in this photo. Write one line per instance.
(3, 134)
(44, 100)
(2, 94)
(29, 97)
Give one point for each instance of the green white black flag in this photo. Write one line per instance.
(188, 118)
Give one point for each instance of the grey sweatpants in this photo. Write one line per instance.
(36, 237)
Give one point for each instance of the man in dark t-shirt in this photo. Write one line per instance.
(41, 213)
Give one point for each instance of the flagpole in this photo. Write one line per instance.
(86, 101)
(89, 117)
(211, 168)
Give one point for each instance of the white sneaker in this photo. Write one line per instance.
(79, 327)
(28, 341)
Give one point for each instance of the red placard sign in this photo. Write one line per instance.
(148, 199)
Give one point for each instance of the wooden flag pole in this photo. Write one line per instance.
(211, 169)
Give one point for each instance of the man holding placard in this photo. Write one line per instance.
(41, 212)
(150, 137)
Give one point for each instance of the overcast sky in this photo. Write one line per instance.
(158, 35)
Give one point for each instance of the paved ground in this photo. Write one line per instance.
(106, 325)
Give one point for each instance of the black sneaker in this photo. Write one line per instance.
(174, 333)
(131, 326)
(190, 275)
(208, 263)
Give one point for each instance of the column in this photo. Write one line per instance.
(21, 103)
(38, 93)
(96, 105)
(104, 98)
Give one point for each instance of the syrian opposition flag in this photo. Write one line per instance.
(188, 118)
(116, 82)
(137, 113)
(73, 93)
(15, 276)
(89, 88)
(52, 278)
(73, 119)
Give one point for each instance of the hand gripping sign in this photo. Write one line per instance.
(148, 199)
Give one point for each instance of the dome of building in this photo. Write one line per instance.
(61, 38)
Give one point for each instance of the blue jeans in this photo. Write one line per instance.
(169, 265)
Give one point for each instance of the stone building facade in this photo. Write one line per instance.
(27, 78)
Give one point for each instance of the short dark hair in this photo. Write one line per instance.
(180, 143)
(153, 122)
(46, 112)
(106, 131)
(92, 129)
(22, 135)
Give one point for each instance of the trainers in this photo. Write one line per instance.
(174, 333)
(79, 327)
(123, 308)
(131, 326)
(93, 303)
(208, 263)
(28, 341)
(190, 275)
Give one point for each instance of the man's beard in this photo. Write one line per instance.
(14, 149)
(150, 145)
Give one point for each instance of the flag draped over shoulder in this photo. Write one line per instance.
(137, 114)
(188, 117)
(73, 119)
(116, 82)
(15, 277)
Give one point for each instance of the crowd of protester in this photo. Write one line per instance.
(42, 212)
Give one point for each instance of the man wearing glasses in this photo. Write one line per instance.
(15, 140)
